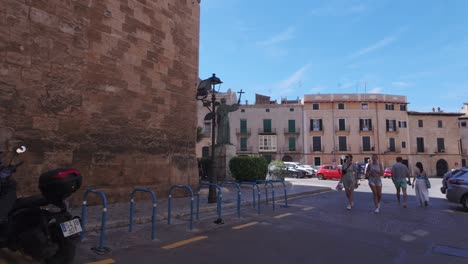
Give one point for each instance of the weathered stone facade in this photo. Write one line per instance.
(105, 86)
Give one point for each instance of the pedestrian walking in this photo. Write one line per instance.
(401, 178)
(420, 183)
(374, 172)
(349, 179)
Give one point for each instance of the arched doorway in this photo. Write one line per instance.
(442, 167)
(287, 158)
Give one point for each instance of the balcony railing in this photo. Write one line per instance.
(321, 149)
(295, 131)
(347, 148)
(316, 129)
(242, 131)
(365, 129)
(439, 150)
(363, 149)
(289, 149)
(392, 130)
(392, 150)
(345, 128)
(245, 149)
(421, 150)
(267, 131)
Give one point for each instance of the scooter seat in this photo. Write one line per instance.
(30, 201)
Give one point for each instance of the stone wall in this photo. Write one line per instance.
(105, 86)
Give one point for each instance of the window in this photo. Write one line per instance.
(463, 124)
(292, 144)
(439, 123)
(342, 144)
(268, 158)
(243, 126)
(267, 125)
(365, 124)
(463, 162)
(402, 124)
(243, 144)
(316, 106)
(341, 124)
(391, 145)
(291, 109)
(420, 123)
(267, 110)
(267, 143)
(205, 152)
(420, 144)
(391, 125)
(242, 110)
(207, 128)
(316, 125)
(366, 145)
(317, 161)
(316, 143)
(440, 145)
(292, 126)
(389, 107)
(402, 107)
(364, 106)
(341, 106)
(403, 144)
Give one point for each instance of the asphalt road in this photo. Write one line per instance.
(314, 229)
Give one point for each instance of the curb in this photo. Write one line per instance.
(162, 217)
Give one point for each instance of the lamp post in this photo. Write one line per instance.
(204, 89)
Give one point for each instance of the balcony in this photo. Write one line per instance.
(244, 149)
(366, 130)
(296, 131)
(392, 150)
(264, 131)
(292, 150)
(369, 149)
(316, 130)
(241, 132)
(439, 150)
(345, 149)
(421, 150)
(343, 129)
(392, 130)
(321, 149)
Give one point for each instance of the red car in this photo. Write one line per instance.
(328, 171)
(387, 172)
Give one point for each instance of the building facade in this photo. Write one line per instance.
(463, 128)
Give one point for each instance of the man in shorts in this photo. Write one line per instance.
(400, 177)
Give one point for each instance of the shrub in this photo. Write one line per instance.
(247, 168)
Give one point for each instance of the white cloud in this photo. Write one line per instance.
(339, 9)
(373, 47)
(400, 84)
(280, 37)
(376, 90)
(296, 77)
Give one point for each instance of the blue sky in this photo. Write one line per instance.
(291, 48)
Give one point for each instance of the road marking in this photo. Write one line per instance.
(245, 225)
(292, 205)
(184, 242)
(283, 215)
(455, 212)
(306, 195)
(308, 208)
(421, 233)
(104, 261)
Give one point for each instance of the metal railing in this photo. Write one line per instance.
(296, 130)
(243, 132)
(239, 193)
(169, 203)
(100, 248)
(254, 186)
(267, 131)
(322, 149)
(153, 213)
(266, 191)
(219, 199)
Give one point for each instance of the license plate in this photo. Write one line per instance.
(71, 227)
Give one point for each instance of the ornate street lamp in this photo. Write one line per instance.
(205, 88)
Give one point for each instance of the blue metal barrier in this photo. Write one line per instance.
(219, 199)
(239, 193)
(266, 191)
(169, 203)
(254, 185)
(285, 193)
(101, 248)
(153, 214)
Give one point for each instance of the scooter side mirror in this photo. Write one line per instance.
(21, 149)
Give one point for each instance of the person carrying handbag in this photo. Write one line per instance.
(420, 181)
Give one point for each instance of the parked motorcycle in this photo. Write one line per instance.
(41, 225)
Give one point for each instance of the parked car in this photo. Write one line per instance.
(295, 170)
(388, 172)
(328, 171)
(308, 168)
(445, 179)
(457, 188)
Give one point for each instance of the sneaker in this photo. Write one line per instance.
(348, 207)
(426, 203)
(377, 210)
(404, 206)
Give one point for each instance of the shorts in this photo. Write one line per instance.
(375, 181)
(400, 183)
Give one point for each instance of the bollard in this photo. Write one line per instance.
(254, 185)
(239, 193)
(153, 214)
(169, 203)
(285, 193)
(218, 203)
(266, 191)
(101, 248)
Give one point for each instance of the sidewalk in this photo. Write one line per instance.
(118, 213)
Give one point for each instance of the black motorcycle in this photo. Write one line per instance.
(39, 226)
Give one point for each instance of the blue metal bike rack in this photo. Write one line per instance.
(219, 199)
(266, 190)
(169, 203)
(239, 193)
(254, 185)
(285, 193)
(153, 214)
(101, 248)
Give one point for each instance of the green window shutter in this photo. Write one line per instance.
(243, 144)
(243, 126)
(292, 144)
(267, 125)
(291, 126)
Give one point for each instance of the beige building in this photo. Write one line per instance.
(463, 128)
